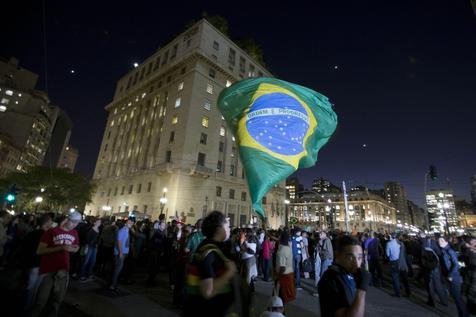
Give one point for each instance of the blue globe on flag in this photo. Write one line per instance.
(279, 123)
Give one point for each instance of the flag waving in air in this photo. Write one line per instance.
(279, 127)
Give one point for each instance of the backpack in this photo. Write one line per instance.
(429, 259)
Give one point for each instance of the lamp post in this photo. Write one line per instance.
(163, 200)
(286, 220)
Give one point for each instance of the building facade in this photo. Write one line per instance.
(25, 115)
(418, 215)
(60, 136)
(166, 148)
(293, 188)
(321, 185)
(395, 194)
(69, 157)
(9, 155)
(366, 211)
(441, 211)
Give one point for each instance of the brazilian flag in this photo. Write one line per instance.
(279, 127)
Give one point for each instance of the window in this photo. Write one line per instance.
(228, 83)
(177, 102)
(232, 170)
(9, 93)
(123, 189)
(251, 73)
(184, 69)
(188, 42)
(243, 196)
(172, 136)
(119, 209)
(115, 191)
(242, 64)
(174, 119)
(168, 156)
(139, 188)
(131, 187)
(210, 89)
(105, 148)
(5, 101)
(180, 86)
(222, 131)
(169, 78)
(108, 192)
(231, 56)
(218, 191)
(207, 104)
(149, 187)
(232, 194)
(219, 166)
(211, 73)
(221, 146)
(201, 159)
(216, 46)
(233, 151)
(156, 65)
(166, 57)
(205, 121)
(203, 138)
(174, 51)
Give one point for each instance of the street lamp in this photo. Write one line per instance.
(286, 220)
(38, 201)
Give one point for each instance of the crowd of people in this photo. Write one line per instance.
(215, 267)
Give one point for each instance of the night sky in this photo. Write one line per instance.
(402, 74)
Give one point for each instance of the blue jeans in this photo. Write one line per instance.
(118, 264)
(455, 291)
(433, 284)
(297, 269)
(266, 263)
(89, 261)
(395, 277)
(325, 265)
(317, 270)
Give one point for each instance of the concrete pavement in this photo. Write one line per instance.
(93, 299)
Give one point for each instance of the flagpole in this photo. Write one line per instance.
(346, 212)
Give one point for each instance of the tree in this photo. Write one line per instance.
(62, 189)
(254, 50)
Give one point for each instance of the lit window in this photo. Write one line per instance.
(222, 117)
(210, 89)
(228, 84)
(3, 108)
(216, 45)
(180, 86)
(222, 131)
(205, 122)
(5, 101)
(112, 123)
(212, 73)
(143, 95)
(19, 95)
(177, 102)
(207, 104)
(9, 93)
(233, 138)
(175, 119)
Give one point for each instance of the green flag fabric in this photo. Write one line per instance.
(279, 127)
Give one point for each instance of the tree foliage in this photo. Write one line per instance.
(62, 189)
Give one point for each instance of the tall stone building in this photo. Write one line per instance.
(166, 148)
(395, 194)
(25, 116)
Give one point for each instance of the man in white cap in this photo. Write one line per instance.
(55, 246)
(275, 308)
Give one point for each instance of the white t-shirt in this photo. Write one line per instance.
(284, 258)
(251, 245)
(271, 314)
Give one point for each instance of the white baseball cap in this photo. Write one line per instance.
(275, 301)
(75, 216)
